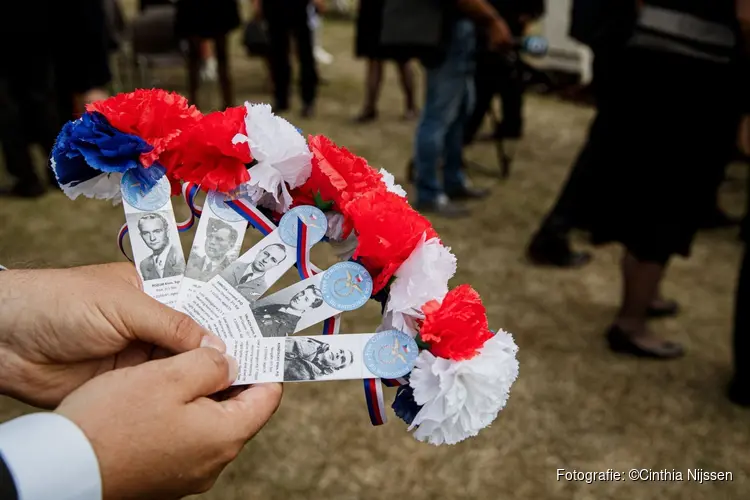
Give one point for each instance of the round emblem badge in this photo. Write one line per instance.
(346, 286)
(316, 221)
(147, 200)
(390, 354)
(216, 202)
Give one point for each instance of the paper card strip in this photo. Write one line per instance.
(319, 358)
(154, 237)
(217, 244)
(343, 287)
(241, 284)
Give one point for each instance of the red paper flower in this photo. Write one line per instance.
(338, 175)
(456, 328)
(388, 230)
(156, 116)
(206, 155)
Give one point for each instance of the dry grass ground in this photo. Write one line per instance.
(575, 405)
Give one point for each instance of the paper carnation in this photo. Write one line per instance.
(207, 155)
(156, 116)
(459, 399)
(281, 153)
(421, 278)
(456, 328)
(90, 156)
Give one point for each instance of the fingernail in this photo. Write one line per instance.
(233, 368)
(213, 342)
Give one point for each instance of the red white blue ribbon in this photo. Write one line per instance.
(254, 216)
(189, 192)
(374, 398)
(120, 240)
(395, 382)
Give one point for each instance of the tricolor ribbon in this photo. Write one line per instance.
(189, 191)
(374, 398)
(254, 216)
(307, 270)
(121, 238)
(395, 382)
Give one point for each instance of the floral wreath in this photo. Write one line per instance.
(464, 371)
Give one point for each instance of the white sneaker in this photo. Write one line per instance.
(322, 55)
(209, 70)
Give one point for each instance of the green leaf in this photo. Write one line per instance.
(423, 346)
(322, 204)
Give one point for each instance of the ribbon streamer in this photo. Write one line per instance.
(395, 382)
(120, 240)
(189, 191)
(254, 216)
(374, 398)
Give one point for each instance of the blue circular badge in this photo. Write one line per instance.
(346, 286)
(316, 221)
(136, 194)
(216, 202)
(390, 354)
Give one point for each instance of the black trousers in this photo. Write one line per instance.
(288, 19)
(27, 114)
(497, 74)
(565, 213)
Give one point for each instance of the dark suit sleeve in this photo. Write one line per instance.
(7, 485)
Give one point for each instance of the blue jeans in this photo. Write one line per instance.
(448, 103)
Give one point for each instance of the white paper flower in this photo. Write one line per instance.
(460, 398)
(390, 183)
(105, 186)
(422, 277)
(281, 152)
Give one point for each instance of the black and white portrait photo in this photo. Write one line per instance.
(164, 257)
(281, 319)
(307, 358)
(217, 251)
(251, 279)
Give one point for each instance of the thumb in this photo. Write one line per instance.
(194, 374)
(140, 317)
(253, 407)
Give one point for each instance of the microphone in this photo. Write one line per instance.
(537, 46)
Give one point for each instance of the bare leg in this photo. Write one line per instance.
(225, 79)
(373, 82)
(641, 281)
(406, 77)
(194, 68)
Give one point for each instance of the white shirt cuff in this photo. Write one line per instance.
(50, 457)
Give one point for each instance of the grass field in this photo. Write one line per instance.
(574, 406)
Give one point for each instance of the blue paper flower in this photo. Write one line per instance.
(404, 405)
(90, 147)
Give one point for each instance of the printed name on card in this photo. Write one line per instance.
(235, 290)
(217, 244)
(388, 354)
(154, 238)
(345, 286)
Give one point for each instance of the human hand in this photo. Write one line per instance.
(743, 136)
(154, 431)
(62, 327)
(499, 34)
(320, 6)
(257, 9)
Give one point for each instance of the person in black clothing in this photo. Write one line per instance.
(199, 20)
(289, 19)
(605, 27)
(61, 58)
(500, 73)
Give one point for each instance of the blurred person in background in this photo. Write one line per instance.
(369, 27)
(605, 26)
(501, 74)
(197, 21)
(55, 59)
(288, 19)
(448, 102)
(671, 120)
(316, 24)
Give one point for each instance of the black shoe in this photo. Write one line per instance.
(444, 208)
(554, 250)
(308, 110)
(468, 193)
(670, 308)
(366, 117)
(718, 219)
(739, 393)
(620, 342)
(26, 190)
(411, 172)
